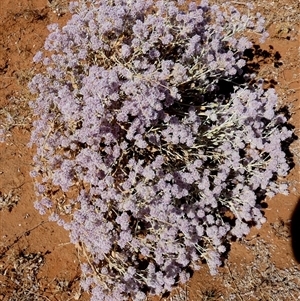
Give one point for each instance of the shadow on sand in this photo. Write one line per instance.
(295, 232)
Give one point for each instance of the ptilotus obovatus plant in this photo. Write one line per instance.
(140, 151)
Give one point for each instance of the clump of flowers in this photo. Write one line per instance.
(150, 149)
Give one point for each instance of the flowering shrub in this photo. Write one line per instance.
(152, 146)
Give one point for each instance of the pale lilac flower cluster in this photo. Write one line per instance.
(153, 163)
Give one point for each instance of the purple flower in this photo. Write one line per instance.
(132, 121)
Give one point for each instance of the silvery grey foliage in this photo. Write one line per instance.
(158, 165)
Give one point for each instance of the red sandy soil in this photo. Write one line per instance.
(26, 235)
